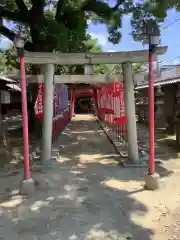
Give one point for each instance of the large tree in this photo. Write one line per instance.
(48, 20)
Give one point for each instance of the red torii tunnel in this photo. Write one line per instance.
(108, 105)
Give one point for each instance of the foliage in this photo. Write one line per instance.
(63, 19)
(150, 11)
(61, 25)
(138, 67)
(8, 63)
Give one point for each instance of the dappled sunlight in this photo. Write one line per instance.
(60, 159)
(75, 143)
(36, 206)
(169, 137)
(81, 166)
(50, 198)
(80, 200)
(13, 202)
(104, 159)
(65, 197)
(85, 132)
(83, 117)
(69, 188)
(83, 158)
(73, 237)
(107, 161)
(122, 185)
(81, 138)
(76, 172)
(55, 150)
(97, 232)
(66, 134)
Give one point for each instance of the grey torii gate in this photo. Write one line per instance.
(88, 59)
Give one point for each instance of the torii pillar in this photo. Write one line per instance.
(47, 114)
(130, 113)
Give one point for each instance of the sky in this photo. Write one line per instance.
(170, 36)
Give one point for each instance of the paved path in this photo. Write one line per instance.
(82, 197)
(87, 195)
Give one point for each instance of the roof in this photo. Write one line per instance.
(12, 84)
(7, 79)
(167, 76)
(160, 83)
(14, 87)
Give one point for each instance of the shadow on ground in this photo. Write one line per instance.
(165, 148)
(164, 143)
(86, 195)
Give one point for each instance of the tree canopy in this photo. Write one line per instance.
(48, 21)
(60, 25)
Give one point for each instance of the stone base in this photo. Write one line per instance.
(151, 181)
(129, 164)
(27, 187)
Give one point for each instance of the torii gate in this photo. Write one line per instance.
(88, 59)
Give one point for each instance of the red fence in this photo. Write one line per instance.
(111, 110)
(108, 100)
(61, 113)
(109, 106)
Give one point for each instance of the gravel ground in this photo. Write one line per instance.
(169, 227)
(88, 196)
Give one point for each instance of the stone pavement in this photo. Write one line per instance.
(87, 195)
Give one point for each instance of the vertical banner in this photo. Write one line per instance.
(39, 103)
(60, 100)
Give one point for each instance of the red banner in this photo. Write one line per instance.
(38, 107)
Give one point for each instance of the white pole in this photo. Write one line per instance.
(47, 113)
(130, 112)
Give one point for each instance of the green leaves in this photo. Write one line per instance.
(8, 63)
(141, 17)
(114, 36)
(138, 67)
(62, 24)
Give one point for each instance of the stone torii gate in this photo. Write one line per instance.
(88, 59)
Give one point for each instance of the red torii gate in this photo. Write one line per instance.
(48, 77)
